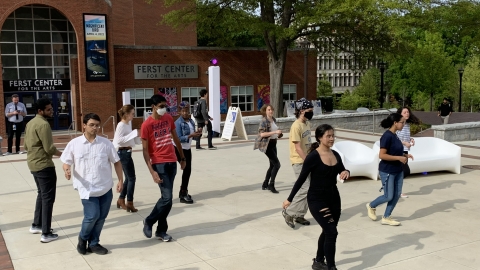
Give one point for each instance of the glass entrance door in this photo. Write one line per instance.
(62, 116)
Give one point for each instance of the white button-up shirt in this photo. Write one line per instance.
(92, 170)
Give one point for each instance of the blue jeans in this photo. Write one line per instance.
(167, 172)
(95, 211)
(392, 189)
(129, 171)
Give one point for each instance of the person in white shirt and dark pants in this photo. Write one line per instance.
(15, 111)
(92, 177)
(123, 140)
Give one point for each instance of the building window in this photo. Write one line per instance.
(36, 43)
(289, 92)
(140, 99)
(242, 97)
(191, 95)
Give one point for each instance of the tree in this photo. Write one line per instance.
(324, 88)
(356, 27)
(431, 70)
(368, 89)
(471, 84)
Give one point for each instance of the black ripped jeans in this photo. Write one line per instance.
(325, 206)
(274, 162)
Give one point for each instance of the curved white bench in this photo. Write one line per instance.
(432, 154)
(359, 159)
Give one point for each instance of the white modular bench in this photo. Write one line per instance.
(359, 159)
(432, 154)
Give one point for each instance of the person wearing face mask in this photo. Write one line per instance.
(186, 132)
(299, 142)
(158, 131)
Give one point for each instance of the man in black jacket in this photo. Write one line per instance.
(444, 110)
(205, 120)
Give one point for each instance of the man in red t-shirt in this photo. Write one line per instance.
(159, 154)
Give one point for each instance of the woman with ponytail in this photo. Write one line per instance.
(323, 165)
(123, 140)
(405, 136)
(390, 169)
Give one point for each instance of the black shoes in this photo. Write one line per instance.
(319, 265)
(271, 187)
(200, 148)
(302, 221)
(265, 185)
(147, 230)
(185, 197)
(97, 249)
(288, 219)
(82, 246)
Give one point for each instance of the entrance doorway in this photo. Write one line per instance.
(62, 110)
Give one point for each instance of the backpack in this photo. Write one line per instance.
(197, 112)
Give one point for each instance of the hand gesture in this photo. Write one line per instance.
(278, 131)
(183, 164)
(412, 142)
(156, 178)
(344, 175)
(119, 186)
(286, 204)
(68, 173)
(410, 156)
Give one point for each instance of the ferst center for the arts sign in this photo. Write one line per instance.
(36, 85)
(165, 71)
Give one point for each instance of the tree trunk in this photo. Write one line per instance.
(277, 67)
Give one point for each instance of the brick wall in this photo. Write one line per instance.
(238, 67)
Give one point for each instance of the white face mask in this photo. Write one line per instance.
(161, 111)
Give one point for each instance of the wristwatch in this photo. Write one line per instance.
(183, 159)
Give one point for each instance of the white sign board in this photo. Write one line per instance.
(214, 96)
(234, 121)
(317, 107)
(146, 114)
(126, 101)
(290, 107)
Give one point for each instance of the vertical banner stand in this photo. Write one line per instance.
(234, 121)
(214, 96)
(126, 101)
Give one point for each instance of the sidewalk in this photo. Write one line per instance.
(233, 224)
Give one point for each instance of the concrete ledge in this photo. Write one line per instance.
(354, 121)
(468, 131)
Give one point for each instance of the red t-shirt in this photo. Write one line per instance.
(158, 133)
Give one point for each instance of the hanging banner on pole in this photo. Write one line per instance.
(96, 47)
(234, 121)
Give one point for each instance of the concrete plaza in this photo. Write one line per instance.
(234, 225)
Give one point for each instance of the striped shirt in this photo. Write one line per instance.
(404, 135)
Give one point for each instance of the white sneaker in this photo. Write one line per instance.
(46, 238)
(371, 212)
(7, 154)
(390, 221)
(404, 195)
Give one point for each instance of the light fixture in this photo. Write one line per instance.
(214, 61)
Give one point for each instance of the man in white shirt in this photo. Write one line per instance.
(92, 177)
(15, 111)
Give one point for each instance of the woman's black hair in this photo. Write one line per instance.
(319, 132)
(390, 120)
(412, 119)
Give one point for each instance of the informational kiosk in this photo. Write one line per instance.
(214, 96)
(234, 121)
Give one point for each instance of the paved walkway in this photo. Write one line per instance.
(235, 225)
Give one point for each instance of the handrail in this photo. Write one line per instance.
(113, 122)
(373, 121)
(72, 127)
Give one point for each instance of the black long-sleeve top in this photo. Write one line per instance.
(322, 176)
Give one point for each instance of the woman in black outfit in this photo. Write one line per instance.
(323, 198)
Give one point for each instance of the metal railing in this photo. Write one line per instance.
(72, 128)
(373, 121)
(113, 122)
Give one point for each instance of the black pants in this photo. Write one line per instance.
(46, 181)
(129, 170)
(209, 136)
(188, 168)
(17, 132)
(326, 208)
(274, 162)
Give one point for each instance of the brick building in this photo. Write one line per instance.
(44, 52)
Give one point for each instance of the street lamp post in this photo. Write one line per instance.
(381, 65)
(305, 45)
(460, 73)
